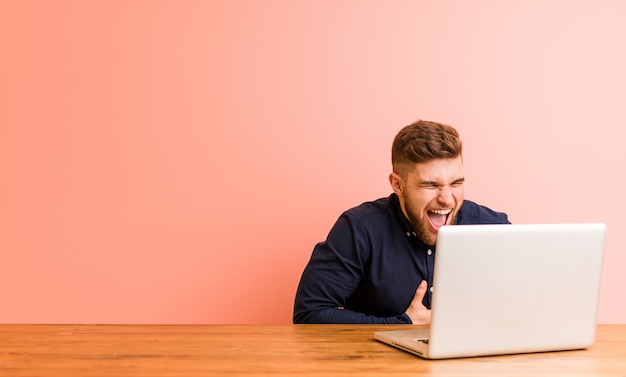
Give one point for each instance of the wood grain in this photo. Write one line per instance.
(257, 350)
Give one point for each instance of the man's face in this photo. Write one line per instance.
(431, 195)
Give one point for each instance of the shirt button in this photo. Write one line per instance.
(429, 252)
(432, 289)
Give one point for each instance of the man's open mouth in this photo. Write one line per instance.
(439, 217)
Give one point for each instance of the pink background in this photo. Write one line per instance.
(176, 161)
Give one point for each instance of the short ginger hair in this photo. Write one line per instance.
(423, 141)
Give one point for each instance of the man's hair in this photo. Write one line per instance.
(423, 141)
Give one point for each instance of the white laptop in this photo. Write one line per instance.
(505, 289)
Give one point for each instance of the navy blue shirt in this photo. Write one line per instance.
(370, 265)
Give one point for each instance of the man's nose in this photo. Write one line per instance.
(445, 195)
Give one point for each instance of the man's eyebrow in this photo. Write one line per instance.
(433, 183)
(428, 183)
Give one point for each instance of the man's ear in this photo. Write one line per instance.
(397, 184)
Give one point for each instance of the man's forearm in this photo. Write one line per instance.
(344, 316)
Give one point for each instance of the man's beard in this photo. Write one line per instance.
(422, 228)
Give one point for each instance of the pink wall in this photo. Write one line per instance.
(176, 161)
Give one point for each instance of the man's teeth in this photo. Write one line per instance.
(441, 211)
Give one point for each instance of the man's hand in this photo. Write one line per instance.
(418, 313)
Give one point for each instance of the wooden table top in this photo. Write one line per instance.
(264, 350)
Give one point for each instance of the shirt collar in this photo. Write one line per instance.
(405, 225)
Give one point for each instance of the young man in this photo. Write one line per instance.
(376, 265)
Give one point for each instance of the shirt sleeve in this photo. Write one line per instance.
(333, 273)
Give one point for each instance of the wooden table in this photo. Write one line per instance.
(257, 350)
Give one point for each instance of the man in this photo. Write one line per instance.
(377, 263)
